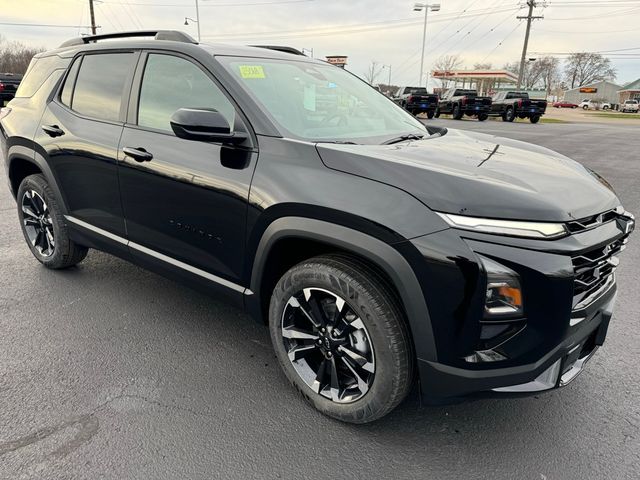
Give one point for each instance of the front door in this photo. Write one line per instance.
(185, 201)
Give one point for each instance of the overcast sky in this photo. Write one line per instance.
(385, 31)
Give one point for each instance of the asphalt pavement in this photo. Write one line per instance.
(111, 372)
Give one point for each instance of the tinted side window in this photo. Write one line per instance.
(100, 84)
(170, 83)
(67, 89)
(39, 70)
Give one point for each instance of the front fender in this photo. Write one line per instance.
(385, 256)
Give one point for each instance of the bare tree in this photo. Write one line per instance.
(447, 63)
(15, 56)
(550, 69)
(585, 67)
(482, 66)
(372, 72)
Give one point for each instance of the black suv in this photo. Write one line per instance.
(381, 253)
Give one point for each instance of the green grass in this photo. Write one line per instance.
(635, 116)
(552, 120)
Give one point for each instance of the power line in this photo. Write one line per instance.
(501, 42)
(251, 4)
(352, 28)
(45, 25)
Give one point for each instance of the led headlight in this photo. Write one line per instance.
(504, 294)
(514, 228)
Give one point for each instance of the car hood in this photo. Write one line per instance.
(480, 175)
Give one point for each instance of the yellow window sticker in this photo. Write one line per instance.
(252, 71)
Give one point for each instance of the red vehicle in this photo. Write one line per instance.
(565, 105)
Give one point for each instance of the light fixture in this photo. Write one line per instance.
(515, 228)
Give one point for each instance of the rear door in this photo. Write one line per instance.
(185, 207)
(80, 131)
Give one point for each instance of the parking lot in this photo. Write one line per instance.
(108, 371)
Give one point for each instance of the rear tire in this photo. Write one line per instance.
(352, 303)
(430, 114)
(534, 118)
(43, 225)
(482, 117)
(437, 113)
(457, 112)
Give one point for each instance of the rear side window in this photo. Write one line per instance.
(170, 83)
(67, 89)
(100, 85)
(39, 70)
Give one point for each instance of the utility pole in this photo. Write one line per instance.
(93, 17)
(529, 18)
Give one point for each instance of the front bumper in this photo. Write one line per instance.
(569, 291)
(556, 369)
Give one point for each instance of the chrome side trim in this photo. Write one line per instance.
(97, 230)
(190, 268)
(160, 256)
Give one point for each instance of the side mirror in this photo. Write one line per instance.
(204, 124)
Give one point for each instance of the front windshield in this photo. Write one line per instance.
(318, 102)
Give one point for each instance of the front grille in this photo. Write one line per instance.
(588, 223)
(594, 270)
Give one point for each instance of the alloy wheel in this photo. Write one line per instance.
(328, 345)
(37, 223)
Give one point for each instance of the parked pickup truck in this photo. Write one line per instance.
(459, 102)
(510, 105)
(417, 100)
(630, 106)
(8, 85)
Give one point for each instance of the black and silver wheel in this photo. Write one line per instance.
(43, 225)
(37, 223)
(340, 336)
(328, 345)
(509, 115)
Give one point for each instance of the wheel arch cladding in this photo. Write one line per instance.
(343, 239)
(22, 162)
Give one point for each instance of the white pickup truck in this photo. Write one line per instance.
(630, 106)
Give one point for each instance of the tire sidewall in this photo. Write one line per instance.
(321, 276)
(38, 184)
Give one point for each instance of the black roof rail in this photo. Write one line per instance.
(173, 35)
(280, 48)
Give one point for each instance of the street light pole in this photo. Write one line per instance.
(424, 41)
(418, 8)
(198, 19)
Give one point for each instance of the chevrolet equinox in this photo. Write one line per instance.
(381, 253)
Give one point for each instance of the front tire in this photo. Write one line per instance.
(44, 227)
(457, 112)
(340, 336)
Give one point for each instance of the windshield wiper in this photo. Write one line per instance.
(402, 138)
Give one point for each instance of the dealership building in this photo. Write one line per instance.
(599, 91)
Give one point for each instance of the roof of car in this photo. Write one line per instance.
(176, 41)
